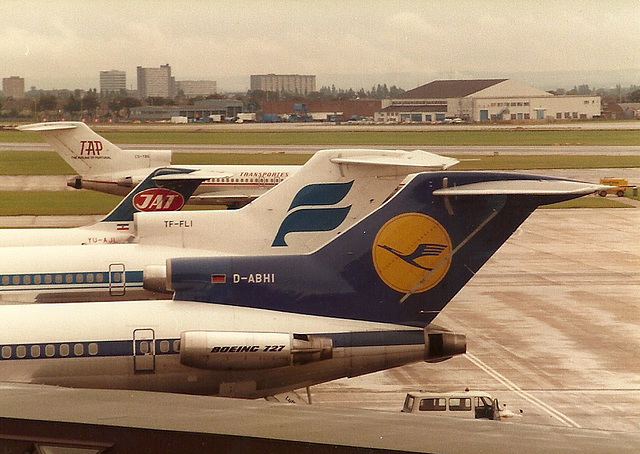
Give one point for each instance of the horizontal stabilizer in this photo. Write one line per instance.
(230, 200)
(401, 158)
(199, 175)
(521, 187)
(54, 126)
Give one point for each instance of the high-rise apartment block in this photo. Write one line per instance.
(113, 82)
(156, 82)
(13, 87)
(193, 88)
(284, 83)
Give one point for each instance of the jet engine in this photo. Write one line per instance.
(216, 350)
(442, 346)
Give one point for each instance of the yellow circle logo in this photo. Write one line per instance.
(412, 252)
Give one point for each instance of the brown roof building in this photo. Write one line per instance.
(484, 100)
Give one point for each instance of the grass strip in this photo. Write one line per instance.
(49, 163)
(62, 203)
(387, 137)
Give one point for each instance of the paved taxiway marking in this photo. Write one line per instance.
(564, 419)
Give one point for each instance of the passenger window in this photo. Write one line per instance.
(37, 279)
(49, 350)
(99, 277)
(16, 280)
(26, 280)
(68, 278)
(79, 278)
(460, 404)
(78, 349)
(21, 351)
(5, 280)
(58, 279)
(433, 404)
(6, 352)
(93, 349)
(164, 346)
(48, 279)
(90, 278)
(176, 345)
(35, 351)
(64, 350)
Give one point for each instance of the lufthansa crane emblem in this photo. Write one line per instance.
(412, 252)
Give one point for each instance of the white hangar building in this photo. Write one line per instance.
(484, 100)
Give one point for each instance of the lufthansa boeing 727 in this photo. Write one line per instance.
(256, 325)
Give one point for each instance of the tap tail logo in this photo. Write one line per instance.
(412, 252)
(318, 218)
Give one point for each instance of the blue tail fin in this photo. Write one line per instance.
(156, 194)
(403, 263)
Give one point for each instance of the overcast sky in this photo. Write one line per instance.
(349, 43)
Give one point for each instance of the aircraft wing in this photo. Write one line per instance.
(540, 187)
(400, 158)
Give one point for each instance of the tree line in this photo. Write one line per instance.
(79, 104)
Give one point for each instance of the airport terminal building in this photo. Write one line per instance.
(480, 100)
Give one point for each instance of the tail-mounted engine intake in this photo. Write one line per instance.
(442, 346)
(75, 182)
(154, 278)
(216, 350)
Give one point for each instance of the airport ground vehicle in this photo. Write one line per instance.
(618, 186)
(463, 404)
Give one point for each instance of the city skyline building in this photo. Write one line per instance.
(284, 83)
(13, 87)
(193, 88)
(155, 82)
(113, 81)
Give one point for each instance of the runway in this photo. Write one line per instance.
(552, 328)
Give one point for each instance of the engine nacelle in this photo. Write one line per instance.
(126, 182)
(442, 346)
(75, 182)
(154, 278)
(216, 350)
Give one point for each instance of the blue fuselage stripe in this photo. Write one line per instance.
(170, 346)
(66, 280)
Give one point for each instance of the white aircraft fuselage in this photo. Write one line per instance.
(232, 185)
(136, 345)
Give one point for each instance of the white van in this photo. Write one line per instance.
(465, 404)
